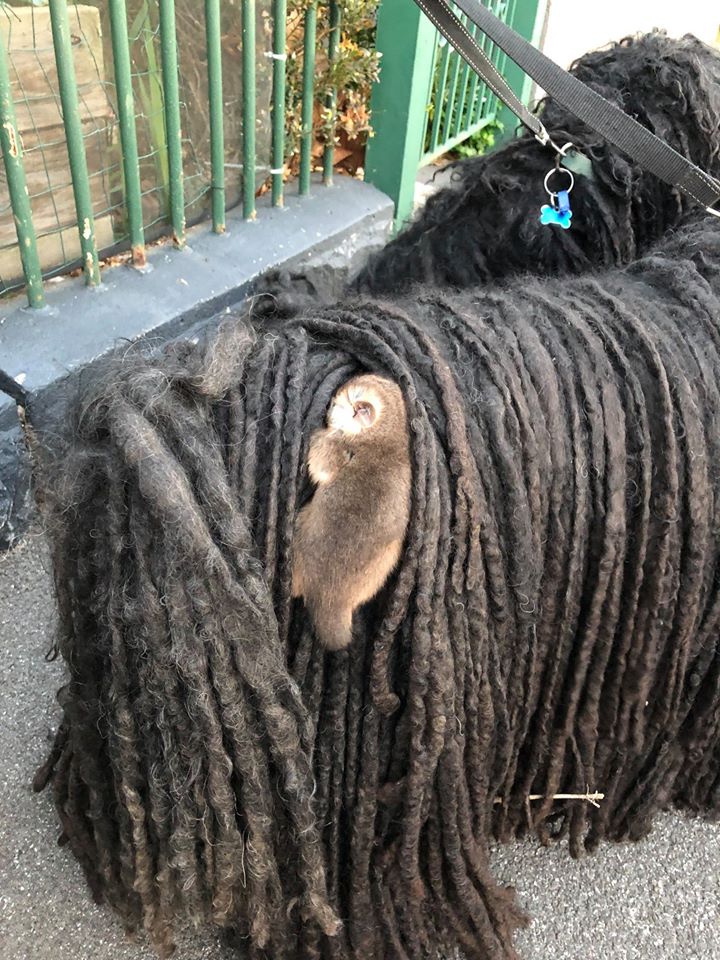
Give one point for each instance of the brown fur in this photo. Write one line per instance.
(349, 537)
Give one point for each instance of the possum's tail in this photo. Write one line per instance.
(333, 625)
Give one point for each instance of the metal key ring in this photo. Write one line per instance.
(550, 173)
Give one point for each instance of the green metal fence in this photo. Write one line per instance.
(123, 119)
(460, 105)
(99, 143)
(427, 82)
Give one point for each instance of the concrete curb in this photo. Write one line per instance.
(326, 235)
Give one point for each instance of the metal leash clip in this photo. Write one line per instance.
(558, 212)
(545, 139)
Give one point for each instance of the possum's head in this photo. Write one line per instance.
(366, 403)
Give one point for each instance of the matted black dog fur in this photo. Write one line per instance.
(485, 224)
(553, 625)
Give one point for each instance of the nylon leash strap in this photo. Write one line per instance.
(639, 143)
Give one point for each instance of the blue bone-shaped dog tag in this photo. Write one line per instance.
(560, 216)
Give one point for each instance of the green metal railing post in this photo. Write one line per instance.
(479, 93)
(248, 107)
(171, 97)
(308, 76)
(439, 96)
(217, 132)
(331, 99)
(526, 18)
(12, 152)
(278, 100)
(406, 39)
(464, 103)
(73, 133)
(452, 92)
(128, 133)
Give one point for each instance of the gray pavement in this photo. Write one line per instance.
(657, 900)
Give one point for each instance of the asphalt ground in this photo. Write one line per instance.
(655, 900)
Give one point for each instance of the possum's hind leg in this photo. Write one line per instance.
(302, 554)
(298, 586)
(333, 625)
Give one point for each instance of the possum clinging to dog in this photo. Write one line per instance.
(349, 537)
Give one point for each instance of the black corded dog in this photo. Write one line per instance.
(551, 627)
(485, 225)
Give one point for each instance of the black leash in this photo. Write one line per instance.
(609, 121)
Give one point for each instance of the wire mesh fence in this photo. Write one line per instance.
(36, 91)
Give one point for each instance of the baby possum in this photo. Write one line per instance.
(349, 537)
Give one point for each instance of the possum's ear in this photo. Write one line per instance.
(364, 411)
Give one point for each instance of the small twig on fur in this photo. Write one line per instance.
(592, 798)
